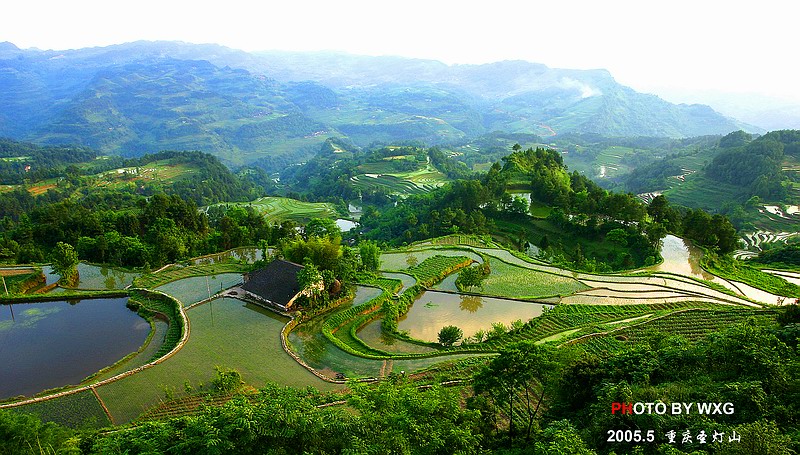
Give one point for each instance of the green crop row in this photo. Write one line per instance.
(76, 410)
(390, 285)
(149, 304)
(692, 325)
(436, 268)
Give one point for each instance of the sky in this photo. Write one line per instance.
(663, 47)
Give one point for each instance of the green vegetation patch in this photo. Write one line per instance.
(508, 280)
(278, 209)
(401, 260)
(77, 410)
(226, 333)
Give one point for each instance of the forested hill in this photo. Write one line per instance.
(146, 96)
(131, 212)
(756, 164)
(739, 165)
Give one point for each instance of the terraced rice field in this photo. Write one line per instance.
(792, 277)
(231, 334)
(225, 333)
(508, 280)
(514, 276)
(753, 241)
(278, 209)
(380, 175)
(194, 289)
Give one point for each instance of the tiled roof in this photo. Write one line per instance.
(277, 282)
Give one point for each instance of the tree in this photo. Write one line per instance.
(618, 236)
(322, 227)
(449, 335)
(324, 252)
(309, 279)
(370, 255)
(65, 263)
(518, 379)
(473, 276)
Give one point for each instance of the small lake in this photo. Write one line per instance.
(52, 344)
(433, 310)
(345, 225)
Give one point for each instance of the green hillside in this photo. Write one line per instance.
(143, 97)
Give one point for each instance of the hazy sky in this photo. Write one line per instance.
(729, 46)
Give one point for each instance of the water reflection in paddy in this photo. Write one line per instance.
(194, 289)
(246, 254)
(433, 310)
(92, 276)
(681, 258)
(52, 344)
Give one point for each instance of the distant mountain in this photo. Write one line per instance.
(142, 97)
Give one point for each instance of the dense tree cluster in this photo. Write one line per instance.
(133, 224)
(711, 231)
(21, 161)
(582, 209)
(755, 164)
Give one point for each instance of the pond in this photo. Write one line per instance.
(345, 225)
(52, 344)
(433, 310)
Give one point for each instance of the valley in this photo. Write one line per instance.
(205, 250)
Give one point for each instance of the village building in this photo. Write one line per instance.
(274, 285)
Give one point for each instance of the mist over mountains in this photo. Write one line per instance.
(141, 97)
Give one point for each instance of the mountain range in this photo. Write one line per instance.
(141, 97)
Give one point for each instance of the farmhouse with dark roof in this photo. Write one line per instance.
(275, 285)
